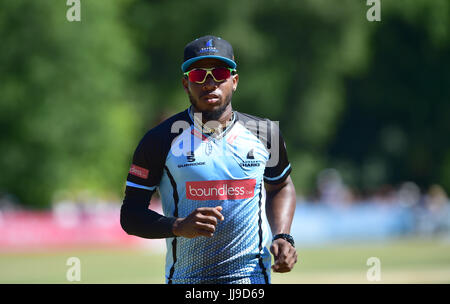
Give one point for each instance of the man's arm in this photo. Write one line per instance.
(137, 219)
(280, 208)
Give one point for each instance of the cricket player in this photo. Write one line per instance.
(223, 177)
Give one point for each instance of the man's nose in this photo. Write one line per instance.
(209, 82)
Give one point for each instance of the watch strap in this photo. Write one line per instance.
(286, 237)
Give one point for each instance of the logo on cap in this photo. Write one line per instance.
(209, 48)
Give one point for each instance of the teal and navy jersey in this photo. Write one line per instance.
(192, 169)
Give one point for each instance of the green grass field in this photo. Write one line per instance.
(402, 261)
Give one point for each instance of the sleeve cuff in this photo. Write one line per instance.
(280, 178)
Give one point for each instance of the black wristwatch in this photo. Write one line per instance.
(286, 237)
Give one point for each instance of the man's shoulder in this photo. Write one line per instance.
(245, 117)
(255, 123)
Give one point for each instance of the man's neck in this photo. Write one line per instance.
(223, 119)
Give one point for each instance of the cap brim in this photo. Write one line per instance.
(187, 63)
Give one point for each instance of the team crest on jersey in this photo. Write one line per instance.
(208, 148)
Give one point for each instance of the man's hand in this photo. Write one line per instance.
(201, 222)
(284, 254)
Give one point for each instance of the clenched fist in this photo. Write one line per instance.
(284, 254)
(201, 222)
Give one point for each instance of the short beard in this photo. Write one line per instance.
(214, 114)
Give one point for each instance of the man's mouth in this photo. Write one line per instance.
(211, 98)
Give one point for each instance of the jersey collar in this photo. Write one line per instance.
(209, 132)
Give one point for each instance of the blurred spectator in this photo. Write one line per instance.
(434, 216)
(332, 190)
(437, 199)
(408, 195)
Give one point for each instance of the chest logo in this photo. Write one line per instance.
(190, 161)
(190, 157)
(250, 162)
(250, 154)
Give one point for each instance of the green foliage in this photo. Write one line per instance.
(368, 98)
(396, 126)
(66, 120)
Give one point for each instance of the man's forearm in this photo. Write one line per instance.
(136, 219)
(280, 207)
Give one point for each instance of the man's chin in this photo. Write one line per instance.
(210, 111)
(213, 114)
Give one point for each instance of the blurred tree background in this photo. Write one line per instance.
(371, 99)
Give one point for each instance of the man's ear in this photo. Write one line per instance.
(235, 81)
(185, 83)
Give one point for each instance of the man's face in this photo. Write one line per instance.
(211, 98)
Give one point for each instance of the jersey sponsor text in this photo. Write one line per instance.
(138, 171)
(220, 189)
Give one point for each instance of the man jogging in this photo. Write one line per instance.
(220, 174)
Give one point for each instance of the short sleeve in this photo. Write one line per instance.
(148, 163)
(278, 167)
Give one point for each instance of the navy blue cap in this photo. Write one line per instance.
(208, 47)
